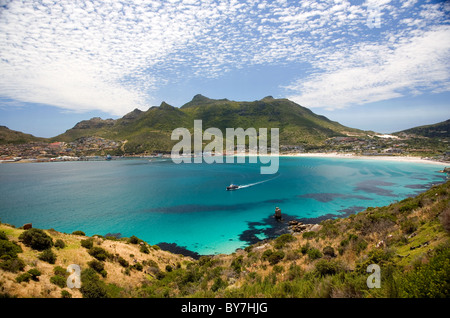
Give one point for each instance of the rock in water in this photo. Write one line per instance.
(277, 213)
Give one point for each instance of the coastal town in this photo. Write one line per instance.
(95, 148)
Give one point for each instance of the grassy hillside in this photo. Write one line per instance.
(8, 136)
(151, 130)
(409, 240)
(439, 130)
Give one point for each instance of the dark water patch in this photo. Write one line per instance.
(190, 208)
(373, 186)
(351, 210)
(269, 227)
(327, 197)
(417, 186)
(176, 249)
(113, 235)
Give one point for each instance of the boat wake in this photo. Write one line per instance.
(253, 184)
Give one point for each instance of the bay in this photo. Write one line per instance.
(188, 205)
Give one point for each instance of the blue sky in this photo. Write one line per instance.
(380, 65)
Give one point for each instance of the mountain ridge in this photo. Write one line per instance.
(150, 130)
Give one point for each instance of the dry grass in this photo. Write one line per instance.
(74, 253)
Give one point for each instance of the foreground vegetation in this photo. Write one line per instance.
(409, 240)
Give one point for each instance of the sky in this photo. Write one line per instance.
(381, 65)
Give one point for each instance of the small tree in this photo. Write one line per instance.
(36, 239)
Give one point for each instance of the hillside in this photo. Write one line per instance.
(150, 130)
(409, 240)
(8, 136)
(439, 130)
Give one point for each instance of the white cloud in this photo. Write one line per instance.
(363, 75)
(111, 55)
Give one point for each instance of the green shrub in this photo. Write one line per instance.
(3, 235)
(65, 294)
(309, 235)
(327, 267)
(81, 233)
(36, 239)
(58, 281)
(87, 243)
(59, 271)
(282, 240)
(35, 273)
(273, 257)
(134, 240)
(91, 285)
(328, 251)
(138, 267)
(144, 249)
(314, 253)
(13, 265)
(169, 268)
(96, 265)
(9, 248)
(123, 262)
(218, 284)
(60, 243)
(24, 277)
(430, 280)
(304, 248)
(99, 253)
(48, 256)
(236, 264)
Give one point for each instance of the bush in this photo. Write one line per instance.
(282, 240)
(97, 266)
(87, 243)
(273, 257)
(81, 233)
(36, 239)
(309, 235)
(138, 267)
(218, 284)
(123, 262)
(144, 249)
(12, 265)
(431, 280)
(3, 235)
(314, 253)
(99, 253)
(60, 243)
(65, 294)
(91, 285)
(328, 251)
(327, 267)
(9, 248)
(35, 273)
(134, 240)
(59, 271)
(58, 281)
(24, 277)
(48, 256)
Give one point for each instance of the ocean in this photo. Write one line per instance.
(186, 208)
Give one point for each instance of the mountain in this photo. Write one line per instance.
(8, 136)
(440, 130)
(151, 130)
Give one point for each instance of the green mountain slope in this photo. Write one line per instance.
(8, 136)
(151, 130)
(440, 130)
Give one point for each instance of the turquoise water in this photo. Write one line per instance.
(187, 204)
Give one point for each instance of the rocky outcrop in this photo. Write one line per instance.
(278, 214)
